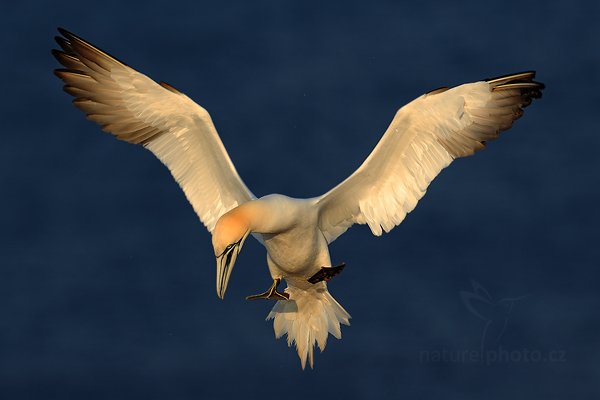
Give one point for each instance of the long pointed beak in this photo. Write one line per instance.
(225, 263)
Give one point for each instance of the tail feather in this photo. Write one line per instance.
(307, 318)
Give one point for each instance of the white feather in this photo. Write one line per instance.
(178, 131)
(425, 136)
(307, 318)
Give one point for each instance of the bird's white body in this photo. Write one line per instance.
(296, 250)
(296, 247)
(424, 137)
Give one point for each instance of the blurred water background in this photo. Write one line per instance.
(107, 276)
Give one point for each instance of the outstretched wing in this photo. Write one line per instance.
(425, 136)
(138, 110)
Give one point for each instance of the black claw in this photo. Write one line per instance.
(326, 273)
(271, 294)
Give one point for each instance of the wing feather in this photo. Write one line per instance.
(138, 110)
(424, 137)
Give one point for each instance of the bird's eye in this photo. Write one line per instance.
(229, 246)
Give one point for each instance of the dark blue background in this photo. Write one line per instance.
(107, 276)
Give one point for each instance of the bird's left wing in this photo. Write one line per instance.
(424, 137)
(138, 110)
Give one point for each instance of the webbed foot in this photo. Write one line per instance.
(271, 294)
(326, 273)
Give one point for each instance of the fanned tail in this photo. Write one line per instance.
(307, 318)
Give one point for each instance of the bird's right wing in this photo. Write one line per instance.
(425, 136)
(137, 110)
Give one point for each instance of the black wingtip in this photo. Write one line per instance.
(68, 35)
(69, 41)
(541, 86)
(56, 53)
(64, 32)
(64, 44)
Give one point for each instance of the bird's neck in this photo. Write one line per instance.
(258, 216)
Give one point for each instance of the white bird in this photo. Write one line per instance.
(425, 136)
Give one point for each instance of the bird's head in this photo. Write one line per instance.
(228, 238)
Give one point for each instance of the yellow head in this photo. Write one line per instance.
(228, 238)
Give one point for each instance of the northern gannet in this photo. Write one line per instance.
(424, 137)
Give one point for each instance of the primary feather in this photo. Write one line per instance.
(424, 137)
(138, 110)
